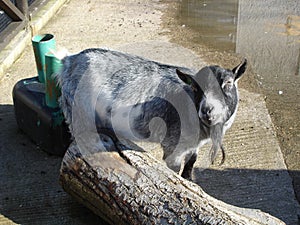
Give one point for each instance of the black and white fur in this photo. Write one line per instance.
(139, 99)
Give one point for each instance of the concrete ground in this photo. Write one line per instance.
(253, 176)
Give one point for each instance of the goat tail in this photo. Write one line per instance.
(61, 53)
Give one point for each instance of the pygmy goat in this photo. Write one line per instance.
(142, 100)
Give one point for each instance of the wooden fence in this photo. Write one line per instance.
(14, 16)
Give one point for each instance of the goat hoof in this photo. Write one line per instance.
(187, 176)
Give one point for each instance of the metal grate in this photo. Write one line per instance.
(4, 20)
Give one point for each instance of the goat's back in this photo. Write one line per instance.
(109, 89)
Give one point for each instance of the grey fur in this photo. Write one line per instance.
(142, 100)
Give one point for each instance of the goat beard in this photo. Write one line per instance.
(216, 135)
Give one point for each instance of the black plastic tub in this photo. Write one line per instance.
(44, 125)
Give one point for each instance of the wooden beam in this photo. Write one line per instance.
(11, 10)
(10, 32)
(22, 5)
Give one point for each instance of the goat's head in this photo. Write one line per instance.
(215, 92)
(216, 99)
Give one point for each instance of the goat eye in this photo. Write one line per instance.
(227, 84)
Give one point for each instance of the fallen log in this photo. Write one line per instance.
(125, 185)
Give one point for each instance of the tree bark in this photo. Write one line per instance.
(124, 185)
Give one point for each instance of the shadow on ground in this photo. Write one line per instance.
(267, 190)
(30, 191)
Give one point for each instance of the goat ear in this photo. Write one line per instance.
(240, 69)
(186, 78)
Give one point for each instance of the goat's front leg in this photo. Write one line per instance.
(189, 164)
(173, 158)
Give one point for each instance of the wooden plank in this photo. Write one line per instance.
(11, 10)
(22, 5)
(10, 32)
